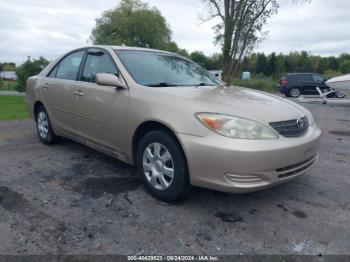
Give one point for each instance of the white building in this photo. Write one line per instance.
(8, 75)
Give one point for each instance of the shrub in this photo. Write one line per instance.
(331, 73)
(345, 67)
(266, 85)
(28, 69)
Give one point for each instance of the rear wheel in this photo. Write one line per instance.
(294, 92)
(44, 128)
(162, 166)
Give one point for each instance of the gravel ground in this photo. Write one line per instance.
(69, 199)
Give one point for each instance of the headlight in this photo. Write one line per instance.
(310, 118)
(236, 127)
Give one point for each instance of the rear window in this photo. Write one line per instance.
(291, 77)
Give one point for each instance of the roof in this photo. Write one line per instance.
(131, 48)
(291, 74)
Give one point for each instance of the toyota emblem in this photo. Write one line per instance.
(301, 122)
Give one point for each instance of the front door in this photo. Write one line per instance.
(58, 91)
(309, 86)
(100, 111)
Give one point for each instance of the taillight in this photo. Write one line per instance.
(284, 82)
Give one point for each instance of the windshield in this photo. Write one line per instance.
(162, 70)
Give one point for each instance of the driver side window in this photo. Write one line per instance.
(318, 78)
(97, 63)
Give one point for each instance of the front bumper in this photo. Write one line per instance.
(241, 166)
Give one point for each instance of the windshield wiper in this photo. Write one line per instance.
(204, 84)
(162, 84)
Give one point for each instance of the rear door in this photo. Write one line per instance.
(101, 111)
(308, 84)
(58, 91)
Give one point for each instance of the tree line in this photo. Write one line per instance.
(275, 65)
(241, 22)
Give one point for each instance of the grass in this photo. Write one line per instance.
(12, 108)
(266, 85)
(8, 85)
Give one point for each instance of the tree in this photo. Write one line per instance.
(261, 64)
(344, 66)
(27, 69)
(8, 67)
(199, 58)
(271, 65)
(133, 23)
(240, 28)
(333, 63)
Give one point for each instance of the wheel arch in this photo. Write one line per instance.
(149, 126)
(37, 105)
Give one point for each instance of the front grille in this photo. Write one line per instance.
(297, 171)
(291, 128)
(295, 165)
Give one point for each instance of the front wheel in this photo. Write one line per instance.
(162, 166)
(340, 94)
(44, 128)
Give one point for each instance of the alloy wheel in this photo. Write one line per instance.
(295, 92)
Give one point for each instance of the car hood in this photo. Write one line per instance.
(239, 101)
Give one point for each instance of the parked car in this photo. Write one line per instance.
(176, 122)
(294, 85)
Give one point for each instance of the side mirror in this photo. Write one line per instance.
(104, 79)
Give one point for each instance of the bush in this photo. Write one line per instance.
(28, 69)
(266, 85)
(331, 73)
(345, 67)
(7, 85)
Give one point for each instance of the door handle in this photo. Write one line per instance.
(78, 93)
(46, 86)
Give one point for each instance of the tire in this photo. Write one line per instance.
(325, 90)
(340, 94)
(157, 154)
(294, 92)
(44, 127)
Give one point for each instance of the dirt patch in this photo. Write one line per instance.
(228, 217)
(11, 200)
(282, 207)
(339, 132)
(97, 187)
(299, 214)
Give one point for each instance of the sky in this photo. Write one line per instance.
(50, 28)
